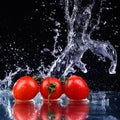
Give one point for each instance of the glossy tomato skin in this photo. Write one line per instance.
(76, 88)
(25, 88)
(25, 111)
(46, 83)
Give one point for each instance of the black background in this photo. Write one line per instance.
(26, 28)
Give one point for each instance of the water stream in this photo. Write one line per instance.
(79, 40)
(78, 14)
(79, 17)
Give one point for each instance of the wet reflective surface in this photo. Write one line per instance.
(100, 106)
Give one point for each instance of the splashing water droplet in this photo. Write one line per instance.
(78, 14)
(7, 81)
(80, 25)
(79, 41)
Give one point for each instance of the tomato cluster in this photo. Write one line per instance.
(51, 88)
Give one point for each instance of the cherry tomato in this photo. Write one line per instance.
(76, 88)
(25, 111)
(51, 88)
(52, 111)
(76, 111)
(25, 88)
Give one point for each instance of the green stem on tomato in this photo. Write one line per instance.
(51, 88)
(64, 80)
(38, 78)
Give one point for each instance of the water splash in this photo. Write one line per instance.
(81, 22)
(78, 14)
(6, 101)
(8, 80)
(79, 19)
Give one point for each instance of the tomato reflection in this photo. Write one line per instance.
(50, 111)
(25, 111)
(76, 111)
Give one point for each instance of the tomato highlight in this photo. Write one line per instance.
(25, 88)
(76, 88)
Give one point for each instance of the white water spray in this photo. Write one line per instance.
(79, 41)
(78, 16)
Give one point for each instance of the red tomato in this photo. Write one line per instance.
(25, 111)
(25, 88)
(76, 88)
(50, 111)
(76, 111)
(51, 88)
